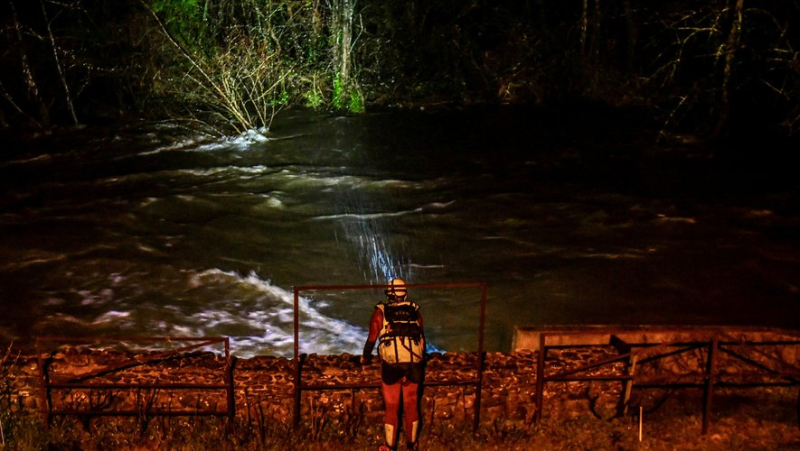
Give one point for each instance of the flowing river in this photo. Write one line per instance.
(153, 230)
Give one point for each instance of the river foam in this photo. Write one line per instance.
(256, 314)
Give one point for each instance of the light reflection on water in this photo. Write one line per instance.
(156, 232)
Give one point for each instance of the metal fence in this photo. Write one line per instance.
(711, 352)
(93, 382)
(763, 365)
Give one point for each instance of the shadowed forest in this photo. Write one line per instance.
(719, 68)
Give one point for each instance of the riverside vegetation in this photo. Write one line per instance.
(754, 425)
(231, 65)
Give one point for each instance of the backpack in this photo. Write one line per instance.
(401, 339)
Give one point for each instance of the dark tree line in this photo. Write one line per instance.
(714, 66)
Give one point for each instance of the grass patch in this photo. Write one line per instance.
(673, 429)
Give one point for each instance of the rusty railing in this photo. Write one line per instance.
(634, 355)
(85, 381)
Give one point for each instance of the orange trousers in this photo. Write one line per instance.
(406, 392)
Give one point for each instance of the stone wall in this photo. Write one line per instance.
(264, 386)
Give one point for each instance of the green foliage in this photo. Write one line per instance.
(283, 99)
(187, 7)
(314, 97)
(338, 92)
(186, 19)
(264, 56)
(356, 103)
(346, 97)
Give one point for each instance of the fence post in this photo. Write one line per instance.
(297, 363)
(709, 383)
(479, 388)
(540, 377)
(230, 362)
(46, 395)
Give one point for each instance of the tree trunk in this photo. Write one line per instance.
(342, 30)
(59, 69)
(27, 73)
(731, 48)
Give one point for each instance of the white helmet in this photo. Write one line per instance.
(396, 289)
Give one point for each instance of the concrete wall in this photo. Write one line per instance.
(528, 337)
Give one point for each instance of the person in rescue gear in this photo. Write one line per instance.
(397, 327)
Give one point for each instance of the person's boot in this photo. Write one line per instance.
(391, 437)
(413, 440)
